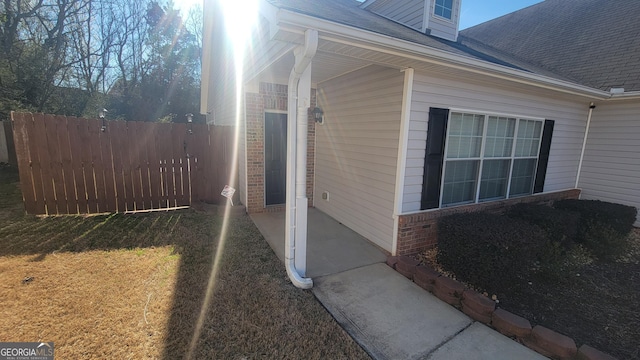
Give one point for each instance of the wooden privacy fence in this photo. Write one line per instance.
(70, 165)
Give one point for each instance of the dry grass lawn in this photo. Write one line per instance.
(131, 287)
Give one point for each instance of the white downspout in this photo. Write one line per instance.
(584, 143)
(296, 203)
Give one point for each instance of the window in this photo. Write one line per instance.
(489, 157)
(443, 8)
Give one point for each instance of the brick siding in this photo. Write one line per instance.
(419, 232)
(271, 97)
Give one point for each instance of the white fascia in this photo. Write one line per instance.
(339, 33)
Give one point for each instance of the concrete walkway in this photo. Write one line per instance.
(331, 246)
(387, 314)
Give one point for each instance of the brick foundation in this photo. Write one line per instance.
(271, 97)
(419, 232)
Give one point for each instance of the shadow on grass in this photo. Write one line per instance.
(254, 312)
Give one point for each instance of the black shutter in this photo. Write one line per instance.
(433, 158)
(543, 157)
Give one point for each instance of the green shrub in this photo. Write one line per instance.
(488, 250)
(603, 227)
(560, 227)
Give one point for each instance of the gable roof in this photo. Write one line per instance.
(348, 12)
(592, 42)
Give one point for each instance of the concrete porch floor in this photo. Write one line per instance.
(331, 246)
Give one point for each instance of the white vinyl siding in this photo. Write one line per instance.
(356, 150)
(611, 167)
(430, 91)
(407, 12)
(221, 82)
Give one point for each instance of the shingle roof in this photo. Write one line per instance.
(593, 42)
(347, 12)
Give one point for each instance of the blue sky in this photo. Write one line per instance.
(478, 11)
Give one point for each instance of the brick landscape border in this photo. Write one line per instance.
(481, 308)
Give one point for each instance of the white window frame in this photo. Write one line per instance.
(435, 5)
(482, 158)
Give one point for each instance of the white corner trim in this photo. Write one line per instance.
(405, 118)
(426, 14)
(270, 12)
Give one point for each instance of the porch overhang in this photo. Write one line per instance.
(344, 48)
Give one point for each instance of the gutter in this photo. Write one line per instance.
(296, 206)
(627, 95)
(584, 143)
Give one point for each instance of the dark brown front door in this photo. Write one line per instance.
(275, 157)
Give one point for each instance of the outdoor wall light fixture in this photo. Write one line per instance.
(102, 115)
(318, 115)
(189, 117)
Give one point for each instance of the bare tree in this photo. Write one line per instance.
(137, 57)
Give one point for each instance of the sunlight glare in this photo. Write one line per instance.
(240, 18)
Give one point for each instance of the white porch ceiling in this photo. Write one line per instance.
(334, 59)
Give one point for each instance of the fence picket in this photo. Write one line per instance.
(115, 137)
(90, 155)
(200, 134)
(154, 165)
(178, 132)
(35, 166)
(21, 140)
(39, 141)
(108, 173)
(133, 163)
(144, 199)
(77, 164)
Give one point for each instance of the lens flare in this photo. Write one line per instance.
(239, 17)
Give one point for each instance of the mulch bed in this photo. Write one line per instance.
(595, 305)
